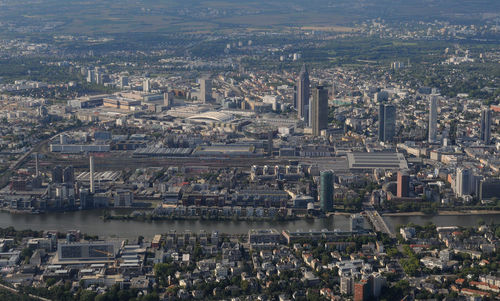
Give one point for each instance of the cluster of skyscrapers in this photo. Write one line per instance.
(314, 111)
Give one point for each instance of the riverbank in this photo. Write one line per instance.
(91, 222)
(145, 218)
(151, 217)
(445, 213)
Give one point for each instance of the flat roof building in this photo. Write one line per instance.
(382, 160)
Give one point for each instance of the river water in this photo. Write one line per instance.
(90, 222)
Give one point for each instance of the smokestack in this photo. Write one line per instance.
(91, 177)
(36, 165)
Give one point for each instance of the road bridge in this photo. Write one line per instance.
(378, 222)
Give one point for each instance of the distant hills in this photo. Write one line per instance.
(108, 17)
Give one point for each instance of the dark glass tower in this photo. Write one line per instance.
(387, 122)
(326, 191)
(319, 110)
(303, 93)
(486, 125)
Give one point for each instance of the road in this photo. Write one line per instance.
(18, 163)
(377, 221)
(14, 291)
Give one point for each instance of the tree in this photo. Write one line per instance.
(163, 270)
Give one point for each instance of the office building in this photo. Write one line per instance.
(361, 291)
(433, 118)
(205, 89)
(69, 174)
(168, 99)
(90, 76)
(485, 125)
(463, 182)
(357, 222)
(326, 191)
(319, 110)
(264, 236)
(94, 251)
(346, 285)
(377, 282)
(123, 198)
(303, 93)
(403, 184)
(146, 85)
(387, 122)
(123, 81)
(57, 174)
(489, 189)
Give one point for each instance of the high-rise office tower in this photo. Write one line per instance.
(168, 99)
(319, 110)
(387, 122)
(381, 112)
(90, 76)
(433, 118)
(486, 125)
(146, 85)
(326, 191)
(123, 81)
(403, 184)
(270, 145)
(69, 174)
(303, 93)
(57, 174)
(463, 182)
(205, 89)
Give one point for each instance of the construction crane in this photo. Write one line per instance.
(108, 254)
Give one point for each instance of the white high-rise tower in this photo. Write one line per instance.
(433, 118)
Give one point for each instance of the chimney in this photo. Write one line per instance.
(36, 165)
(91, 176)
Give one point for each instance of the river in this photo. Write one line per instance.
(90, 222)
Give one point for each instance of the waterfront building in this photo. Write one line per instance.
(326, 191)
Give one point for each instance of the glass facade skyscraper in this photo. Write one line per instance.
(326, 191)
(387, 122)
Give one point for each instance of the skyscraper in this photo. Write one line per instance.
(123, 81)
(319, 110)
(387, 122)
(403, 184)
(303, 93)
(326, 191)
(485, 125)
(146, 85)
(205, 89)
(463, 182)
(433, 118)
(90, 76)
(57, 174)
(69, 174)
(168, 99)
